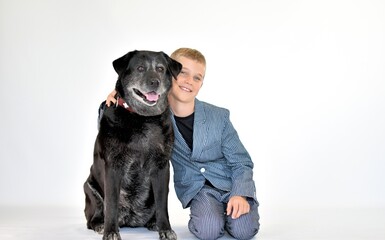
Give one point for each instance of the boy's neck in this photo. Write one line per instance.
(182, 109)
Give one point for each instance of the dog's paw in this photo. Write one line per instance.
(167, 235)
(112, 236)
(99, 228)
(151, 226)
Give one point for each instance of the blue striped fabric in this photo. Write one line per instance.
(208, 219)
(218, 157)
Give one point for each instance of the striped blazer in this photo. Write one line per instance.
(217, 156)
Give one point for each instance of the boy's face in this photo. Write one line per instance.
(189, 81)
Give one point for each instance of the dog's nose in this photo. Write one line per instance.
(155, 82)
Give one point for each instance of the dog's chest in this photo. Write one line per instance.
(137, 140)
(147, 137)
(136, 130)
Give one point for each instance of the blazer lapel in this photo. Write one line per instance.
(200, 130)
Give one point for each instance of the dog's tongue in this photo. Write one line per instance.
(152, 96)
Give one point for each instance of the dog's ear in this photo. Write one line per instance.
(121, 63)
(173, 66)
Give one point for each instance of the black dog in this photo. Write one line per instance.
(128, 181)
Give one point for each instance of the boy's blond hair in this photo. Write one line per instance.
(189, 53)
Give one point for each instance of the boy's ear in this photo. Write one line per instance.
(121, 63)
(173, 66)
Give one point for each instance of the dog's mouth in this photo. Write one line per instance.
(150, 98)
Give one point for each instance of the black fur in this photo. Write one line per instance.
(128, 181)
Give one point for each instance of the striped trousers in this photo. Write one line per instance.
(208, 220)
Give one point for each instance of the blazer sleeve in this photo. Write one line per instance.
(238, 160)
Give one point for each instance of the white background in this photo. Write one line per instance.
(304, 81)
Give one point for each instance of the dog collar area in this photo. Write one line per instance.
(122, 103)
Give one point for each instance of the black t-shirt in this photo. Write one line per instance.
(185, 127)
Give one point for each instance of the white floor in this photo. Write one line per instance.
(56, 223)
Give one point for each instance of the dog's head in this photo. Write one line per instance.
(145, 78)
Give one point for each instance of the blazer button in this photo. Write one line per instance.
(203, 170)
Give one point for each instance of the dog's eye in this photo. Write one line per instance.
(140, 68)
(160, 69)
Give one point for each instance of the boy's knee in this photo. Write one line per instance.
(245, 227)
(244, 233)
(206, 229)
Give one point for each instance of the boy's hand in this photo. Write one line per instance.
(237, 206)
(111, 98)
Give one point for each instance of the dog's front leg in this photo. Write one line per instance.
(160, 181)
(111, 204)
